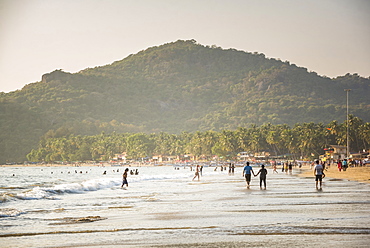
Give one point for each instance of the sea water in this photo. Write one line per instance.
(164, 207)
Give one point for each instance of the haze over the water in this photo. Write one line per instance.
(330, 37)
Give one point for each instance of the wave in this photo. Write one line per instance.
(52, 192)
(9, 212)
(68, 188)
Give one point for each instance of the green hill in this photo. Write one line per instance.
(179, 86)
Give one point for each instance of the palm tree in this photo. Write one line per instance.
(255, 138)
(242, 139)
(355, 124)
(364, 134)
(139, 145)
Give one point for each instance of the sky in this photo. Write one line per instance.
(329, 37)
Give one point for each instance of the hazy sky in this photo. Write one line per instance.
(330, 37)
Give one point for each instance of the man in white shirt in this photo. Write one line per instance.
(319, 173)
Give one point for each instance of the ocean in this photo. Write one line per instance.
(163, 207)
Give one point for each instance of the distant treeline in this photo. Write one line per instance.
(305, 140)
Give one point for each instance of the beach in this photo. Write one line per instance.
(64, 206)
(360, 174)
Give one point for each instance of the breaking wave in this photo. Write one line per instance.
(52, 192)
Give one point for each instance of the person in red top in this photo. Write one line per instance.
(339, 165)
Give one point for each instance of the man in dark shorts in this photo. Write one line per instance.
(124, 178)
(196, 172)
(247, 172)
(319, 174)
(263, 173)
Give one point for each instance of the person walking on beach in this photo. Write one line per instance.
(263, 173)
(319, 174)
(274, 169)
(196, 173)
(345, 164)
(124, 178)
(339, 165)
(247, 172)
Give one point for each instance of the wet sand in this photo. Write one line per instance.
(359, 174)
(163, 207)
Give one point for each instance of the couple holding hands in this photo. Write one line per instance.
(248, 170)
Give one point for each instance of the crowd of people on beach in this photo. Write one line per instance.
(247, 171)
(318, 167)
(344, 164)
(287, 167)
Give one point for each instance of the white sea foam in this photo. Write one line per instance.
(165, 205)
(34, 194)
(9, 212)
(69, 188)
(91, 185)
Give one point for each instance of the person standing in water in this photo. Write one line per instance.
(290, 168)
(124, 178)
(247, 172)
(274, 167)
(263, 173)
(196, 173)
(319, 174)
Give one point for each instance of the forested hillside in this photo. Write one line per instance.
(176, 87)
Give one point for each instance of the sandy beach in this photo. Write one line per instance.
(55, 206)
(359, 174)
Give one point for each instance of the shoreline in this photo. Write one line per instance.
(77, 165)
(359, 174)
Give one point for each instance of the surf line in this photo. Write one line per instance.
(101, 231)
